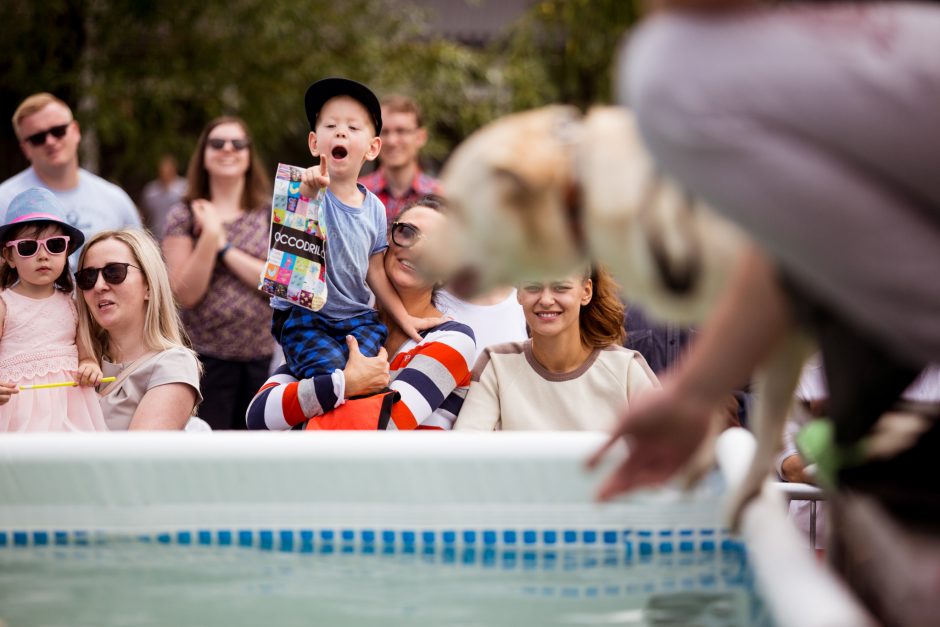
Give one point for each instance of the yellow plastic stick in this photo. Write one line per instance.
(63, 384)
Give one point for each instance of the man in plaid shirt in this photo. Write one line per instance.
(399, 179)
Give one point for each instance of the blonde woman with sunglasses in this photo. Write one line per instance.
(38, 319)
(215, 245)
(128, 318)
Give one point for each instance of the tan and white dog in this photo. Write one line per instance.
(537, 193)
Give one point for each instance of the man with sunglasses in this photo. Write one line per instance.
(49, 137)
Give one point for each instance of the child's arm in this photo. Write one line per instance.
(89, 372)
(7, 388)
(391, 303)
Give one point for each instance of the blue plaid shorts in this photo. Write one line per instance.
(316, 345)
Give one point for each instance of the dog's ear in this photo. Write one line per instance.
(515, 186)
(536, 148)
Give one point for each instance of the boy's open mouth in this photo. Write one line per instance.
(339, 153)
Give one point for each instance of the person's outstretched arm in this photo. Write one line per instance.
(665, 427)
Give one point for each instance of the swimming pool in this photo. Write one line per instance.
(352, 529)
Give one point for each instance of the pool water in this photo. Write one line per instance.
(134, 582)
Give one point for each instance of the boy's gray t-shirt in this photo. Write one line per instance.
(353, 235)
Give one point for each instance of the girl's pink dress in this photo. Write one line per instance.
(38, 346)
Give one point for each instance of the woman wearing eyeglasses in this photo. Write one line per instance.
(215, 245)
(38, 322)
(128, 318)
(431, 375)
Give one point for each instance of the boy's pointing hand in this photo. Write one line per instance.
(314, 179)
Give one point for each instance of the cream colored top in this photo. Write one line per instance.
(174, 365)
(511, 390)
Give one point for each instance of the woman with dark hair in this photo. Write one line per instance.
(573, 374)
(215, 246)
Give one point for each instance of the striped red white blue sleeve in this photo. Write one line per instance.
(283, 402)
(432, 377)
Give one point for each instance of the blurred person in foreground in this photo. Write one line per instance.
(815, 128)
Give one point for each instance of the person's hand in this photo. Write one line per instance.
(793, 470)
(364, 375)
(207, 221)
(314, 179)
(663, 429)
(415, 324)
(7, 389)
(88, 373)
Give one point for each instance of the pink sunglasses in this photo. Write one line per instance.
(55, 245)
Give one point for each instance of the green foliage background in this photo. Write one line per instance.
(144, 76)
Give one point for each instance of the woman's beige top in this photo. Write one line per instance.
(510, 390)
(174, 365)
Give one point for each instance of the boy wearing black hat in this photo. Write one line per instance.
(345, 121)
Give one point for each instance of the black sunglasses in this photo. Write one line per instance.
(405, 235)
(113, 273)
(218, 143)
(38, 139)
